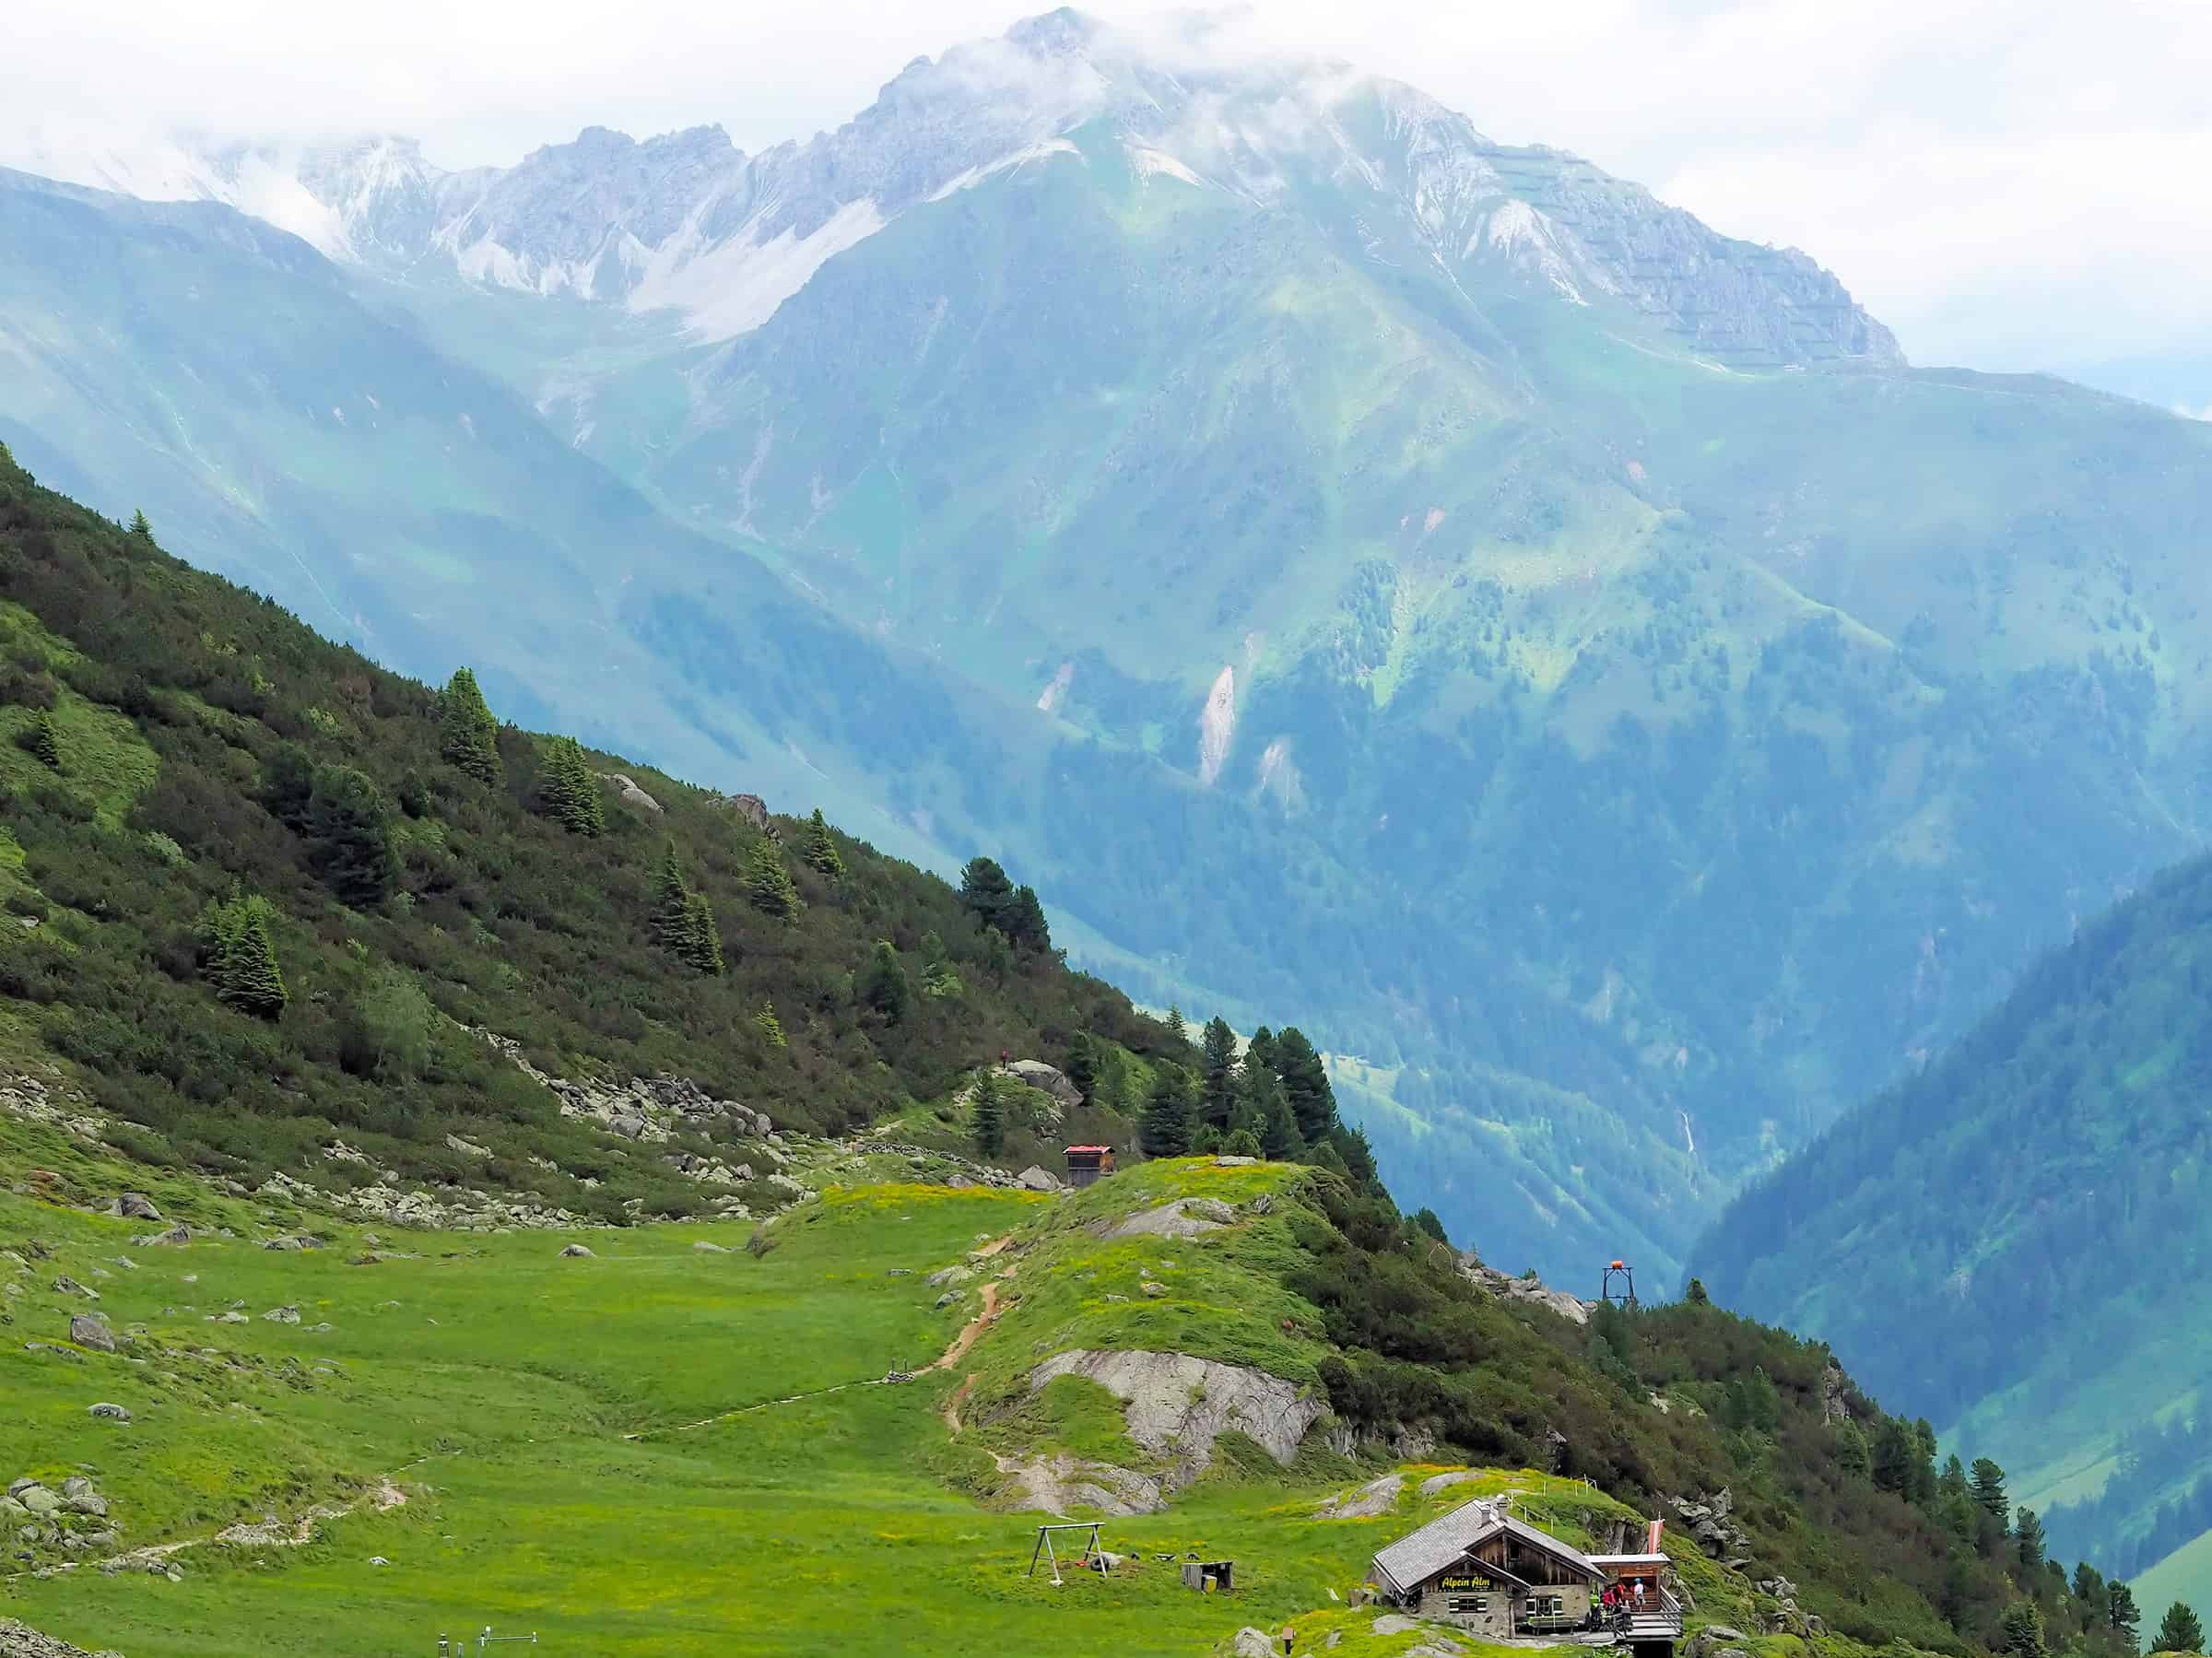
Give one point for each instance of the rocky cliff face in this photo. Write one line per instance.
(686, 222)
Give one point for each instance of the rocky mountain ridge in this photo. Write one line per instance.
(686, 222)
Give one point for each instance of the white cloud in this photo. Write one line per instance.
(2007, 183)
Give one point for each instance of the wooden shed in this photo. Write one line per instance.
(1087, 1163)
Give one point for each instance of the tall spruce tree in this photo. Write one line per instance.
(467, 734)
(885, 989)
(348, 833)
(1219, 1080)
(568, 790)
(1989, 1490)
(2028, 1532)
(1169, 1126)
(1025, 922)
(2180, 1630)
(671, 902)
(238, 956)
(989, 1117)
(2021, 1632)
(819, 850)
(767, 885)
(1305, 1083)
(701, 940)
(987, 893)
(2121, 1611)
(140, 528)
(42, 742)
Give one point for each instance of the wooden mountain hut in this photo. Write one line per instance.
(1490, 1574)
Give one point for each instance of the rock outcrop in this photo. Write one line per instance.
(1534, 1291)
(1184, 1217)
(1047, 1079)
(1176, 1405)
(21, 1640)
(1379, 1496)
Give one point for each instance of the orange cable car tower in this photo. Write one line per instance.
(1619, 1286)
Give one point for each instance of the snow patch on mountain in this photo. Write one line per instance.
(729, 289)
(973, 176)
(1155, 163)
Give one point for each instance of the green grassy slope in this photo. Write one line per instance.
(2029, 1208)
(693, 1449)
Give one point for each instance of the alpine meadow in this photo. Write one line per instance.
(1148, 857)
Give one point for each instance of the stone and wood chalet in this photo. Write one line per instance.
(1492, 1575)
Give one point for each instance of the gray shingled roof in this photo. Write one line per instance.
(1422, 1555)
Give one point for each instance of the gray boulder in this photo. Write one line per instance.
(135, 1206)
(109, 1413)
(1254, 1643)
(292, 1240)
(1176, 1402)
(575, 1252)
(1176, 1219)
(282, 1315)
(40, 1502)
(1047, 1079)
(91, 1330)
(65, 1284)
(1034, 1178)
(16, 1488)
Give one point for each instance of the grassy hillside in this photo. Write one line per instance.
(684, 1444)
(2012, 1241)
(170, 746)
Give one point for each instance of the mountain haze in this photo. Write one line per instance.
(1353, 564)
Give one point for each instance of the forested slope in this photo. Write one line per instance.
(260, 892)
(2013, 1239)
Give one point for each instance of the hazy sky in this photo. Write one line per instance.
(2009, 183)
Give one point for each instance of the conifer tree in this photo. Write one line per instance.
(2021, 1632)
(42, 742)
(987, 893)
(2180, 1630)
(1218, 1043)
(1989, 1490)
(885, 989)
(818, 850)
(1025, 922)
(140, 528)
(239, 956)
(2121, 1611)
(671, 901)
(769, 1027)
(1280, 1137)
(768, 884)
(1168, 1126)
(467, 734)
(1082, 1068)
(1305, 1083)
(2028, 1533)
(1178, 1032)
(567, 791)
(990, 1117)
(348, 830)
(701, 941)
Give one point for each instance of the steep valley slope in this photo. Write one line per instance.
(2031, 1207)
(1343, 561)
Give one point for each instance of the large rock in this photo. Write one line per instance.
(40, 1502)
(1254, 1643)
(21, 1640)
(282, 1315)
(1177, 1404)
(1531, 1290)
(629, 792)
(1184, 1217)
(1064, 1483)
(105, 1412)
(1034, 1178)
(136, 1205)
(1379, 1496)
(1047, 1079)
(575, 1252)
(91, 1330)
